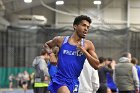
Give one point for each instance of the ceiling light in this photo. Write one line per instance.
(27, 1)
(97, 2)
(59, 2)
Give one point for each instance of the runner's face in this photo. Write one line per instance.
(82, 28)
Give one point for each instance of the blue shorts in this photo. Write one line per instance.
(72, 84)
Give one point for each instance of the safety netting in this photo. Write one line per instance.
(19, 46)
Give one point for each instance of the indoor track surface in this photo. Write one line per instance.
(15, 91)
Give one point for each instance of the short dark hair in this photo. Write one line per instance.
(125, 54)
(101, 59)
(78, 19)
(134, 60)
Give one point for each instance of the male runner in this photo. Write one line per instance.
(73, 50)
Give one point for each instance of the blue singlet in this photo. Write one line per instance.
(70, 64)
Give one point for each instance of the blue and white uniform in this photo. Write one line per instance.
(70, 64)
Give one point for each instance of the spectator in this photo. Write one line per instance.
(135, 62)
(11, 78)
(89, 79)
(125, 75)
(25, 80)
(41, 72)
(19, 79)
(112, 88)
(102, 71)
(32, 78)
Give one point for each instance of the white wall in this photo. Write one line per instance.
(111, 13)
(115, 13)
